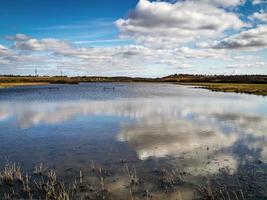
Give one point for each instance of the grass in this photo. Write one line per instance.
(6, 85)
(13, 81)
(257, 89)
(41, 184)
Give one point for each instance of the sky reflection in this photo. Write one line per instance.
(196, 129)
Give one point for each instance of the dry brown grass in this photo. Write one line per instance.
(258, 89)
(6, 85)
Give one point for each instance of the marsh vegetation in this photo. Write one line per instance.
(125, 182)
(257, 89)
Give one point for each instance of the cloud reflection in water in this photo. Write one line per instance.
(183, 127)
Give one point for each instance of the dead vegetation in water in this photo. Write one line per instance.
(135, 184)
(169, 179)
(44, 184)
(248, 182)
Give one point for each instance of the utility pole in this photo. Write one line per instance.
(35, 71)
(61, 73)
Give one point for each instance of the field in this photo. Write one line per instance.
(257, 89)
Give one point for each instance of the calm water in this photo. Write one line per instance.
(149, 126)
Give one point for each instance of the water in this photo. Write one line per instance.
(149, 128)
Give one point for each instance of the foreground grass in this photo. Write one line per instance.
(257, 89)
(96, 183)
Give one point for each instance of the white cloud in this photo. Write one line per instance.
(259, 16)
(162, 24)
(255, 2)
(98, 41)
(42, 45)
(2, 47)
(247, 65)
(3, 50)
(129, 60)
(191, 53)
(252, 39)
(225, 3)
(18, 37)
(182, 37)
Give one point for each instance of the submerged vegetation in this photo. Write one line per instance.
(43, 183)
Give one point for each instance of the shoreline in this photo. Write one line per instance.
(229, 87)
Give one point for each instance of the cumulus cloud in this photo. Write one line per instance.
(2, 47)
(247, 65)
(3, 50)
(101, 61)
(18, 37)
(166, 37)
(259, 16)
(225, 3)
(41, 45)
(252, 39)
(190, 53)
(122, 58)
(164, 24)
(255, 2)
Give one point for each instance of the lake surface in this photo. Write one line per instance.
(155, 131)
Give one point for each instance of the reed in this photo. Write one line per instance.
(39, 169)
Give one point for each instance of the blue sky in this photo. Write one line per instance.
(133, 37)
(69, 20)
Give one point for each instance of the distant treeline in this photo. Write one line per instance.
(216, 78)
(172, 78)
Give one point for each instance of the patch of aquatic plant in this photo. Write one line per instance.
(43, 183)
(169, 179)
(249, 182)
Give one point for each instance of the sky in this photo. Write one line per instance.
(137, 38)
